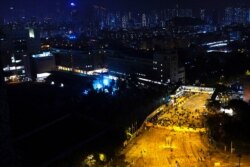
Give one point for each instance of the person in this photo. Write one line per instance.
(177, 164)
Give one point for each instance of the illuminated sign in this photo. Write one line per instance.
(43, 75)
(44, 54)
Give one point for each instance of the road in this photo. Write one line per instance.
(177, 138)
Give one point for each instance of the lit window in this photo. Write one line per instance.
(31, 33)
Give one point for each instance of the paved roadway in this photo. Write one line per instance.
(177, 138)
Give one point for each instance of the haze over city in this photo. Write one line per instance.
(47, 8)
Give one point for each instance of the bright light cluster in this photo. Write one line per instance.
(73, 4)
(104, 83)
(101, 83)
(72, 36)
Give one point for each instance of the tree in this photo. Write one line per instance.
(7, 157)
(213, 106)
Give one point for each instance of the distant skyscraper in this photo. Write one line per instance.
(215, 17)
(124, 21)
(185, 13)
(235, 15)
(144, 20)
(177, 8)
(202, 14)
(60, 15)
(156, 19)
(98, 16)
(229, 15)
(1, 20)
(171, 13)
(118, 19)
(129, 15)
(248, 15)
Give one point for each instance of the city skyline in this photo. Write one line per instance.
(47, 8)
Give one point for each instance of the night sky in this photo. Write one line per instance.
(48, 7)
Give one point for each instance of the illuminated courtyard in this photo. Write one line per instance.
(177, 137)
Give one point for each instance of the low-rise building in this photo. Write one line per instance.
(159, 68)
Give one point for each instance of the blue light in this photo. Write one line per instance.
(72, 4)
(99, 86)
(106, 82)
(85, 92)
(103, 83)
(72, 37)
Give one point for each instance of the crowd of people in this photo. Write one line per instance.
(179, 115)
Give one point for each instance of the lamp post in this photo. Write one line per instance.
(239, 155)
